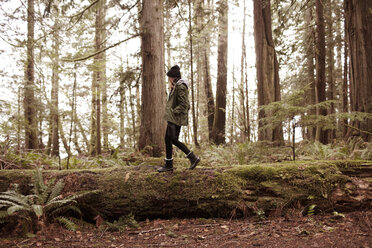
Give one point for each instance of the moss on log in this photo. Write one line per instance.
(213, 192)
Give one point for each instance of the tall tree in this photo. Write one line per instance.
(243, 88)
(105, 115)
(54, 108)
(219, 122)
(98, 79)
(194, 122)
(330, 69)
(309, 40)
(267, 69)
(206, 68)
(153, 91)
(344, 93)
(31, 128)
(321, 135)
(359, 39)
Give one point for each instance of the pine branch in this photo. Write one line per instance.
(99, 52)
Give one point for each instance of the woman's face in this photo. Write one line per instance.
(170, 81)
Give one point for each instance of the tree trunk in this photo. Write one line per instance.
(82, 131)
(309, 39)
(231, 192)
(122, 113)
(232, 119)
(31, 128)
(194, 122)
(345, 86)
(331, 65)
(219, 122)
(321, 135)
(105, 115)
(243, 87)
(267, 70)
(63, 138)
(98, 80)
(209, 94)
(199, 15)
(153, 92)
(207, 74)
(359, 30)
(168, 34)
(54, 108)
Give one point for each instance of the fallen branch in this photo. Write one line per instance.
(5, 165)
(147, 231)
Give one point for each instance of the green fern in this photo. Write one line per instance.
(45, 204)
(57, 189)
(3, 214)
(68, 224)
(65, 209)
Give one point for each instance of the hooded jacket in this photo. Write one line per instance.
(177, 107)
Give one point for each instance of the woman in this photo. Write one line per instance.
(176, 115)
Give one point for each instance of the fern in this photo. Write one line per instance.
(13, 198)
(45, 204)
(57, 189)
(13, 209)
(3, 214)
(65, 209)
(68, 224)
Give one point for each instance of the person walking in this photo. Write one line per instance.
(176, 115)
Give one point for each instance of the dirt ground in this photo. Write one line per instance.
(348, 230)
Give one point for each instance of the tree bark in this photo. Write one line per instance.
(232, 119)
(98, 80)
(310, 67)
(359, 30)
(31, 128)
(153, 91)
(194, 121)
(345, 86)
(219, 122)
(206, 68)
(243, 87)
(330, 65)
(54, 111)
(267, 70)
(122, 104)
(105, 115)
(321, 135)
(232, 192)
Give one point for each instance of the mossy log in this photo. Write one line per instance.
(213, 192)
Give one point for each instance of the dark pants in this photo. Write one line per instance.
(171, 137)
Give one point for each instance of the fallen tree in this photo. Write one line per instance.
(232, 191)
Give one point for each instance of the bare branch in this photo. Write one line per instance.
(81, 13)
(98, 52)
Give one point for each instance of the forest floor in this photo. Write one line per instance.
(343, 230)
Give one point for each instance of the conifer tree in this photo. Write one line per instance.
(31, 128)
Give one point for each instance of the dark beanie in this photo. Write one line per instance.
(174, 72)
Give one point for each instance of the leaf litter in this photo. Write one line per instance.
(329, 230)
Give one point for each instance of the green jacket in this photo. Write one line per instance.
(177, 107)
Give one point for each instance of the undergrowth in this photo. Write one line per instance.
(211, 155)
